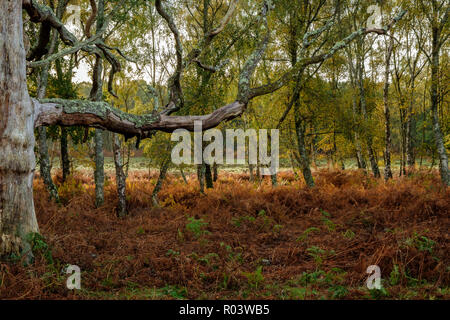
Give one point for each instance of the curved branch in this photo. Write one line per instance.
(41, 13)
(223, 23)
(244, 91)
(175, 90)
(303, 63)
(102, 115)
(91, 19)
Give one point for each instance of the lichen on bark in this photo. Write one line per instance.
(101, 109)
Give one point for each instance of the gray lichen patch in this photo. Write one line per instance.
(102, 110)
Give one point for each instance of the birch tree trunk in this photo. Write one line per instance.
(201, 168)
(120, 178)
(434, 91)
(387, 152)
(410, 130)
(97, 95)
(357, 139)
(162, 175)
(304, 159)
(362, 97)
(17, 160)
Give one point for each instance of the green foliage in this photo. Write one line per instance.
(338, 291)
(254, 278)
(174, 292)
(171, 252)
(394, 277)
(40, 246)
(349, 234)
(238, 221)
(422, 243)
(305, 234)
(378, 294)
(317, 254)
(197, 227)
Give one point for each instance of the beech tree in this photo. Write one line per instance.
(20, 113)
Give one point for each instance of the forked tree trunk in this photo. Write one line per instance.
(17, 160)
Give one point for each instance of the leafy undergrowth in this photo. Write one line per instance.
(241, 240)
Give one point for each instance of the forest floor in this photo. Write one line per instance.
(241, 240)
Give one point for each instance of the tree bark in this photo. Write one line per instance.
(120, 178)
(362, 97)
(356, 116)
(304, 159)
(65, 162)
(387, 152)
(250, 170)
(97, 95)
(201, 176)
(162, 175)
(438, 138)
(410, 130)
(44, 160)
(183, 175)
(45, 167)
(17, 160)
(208, 177)
(215, 172)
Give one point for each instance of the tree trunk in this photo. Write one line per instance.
(162, 175)
(443, 159)
(17, 160)
(120, 178)
(201, 176)
(45, 167)
(99, 172)
(183, 175)
(410, 132)
(403, 140)
(208, 177)
(258, 171)
(65, 162)
(387, 152)
(273, 178)
(97, 95)
(251, 174)
(215, 172)
(362, 97)
(44, 159)
(304, 159)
